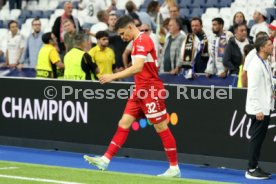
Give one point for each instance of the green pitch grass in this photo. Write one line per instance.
(20, 173)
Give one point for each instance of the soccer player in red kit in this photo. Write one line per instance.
(146, 98)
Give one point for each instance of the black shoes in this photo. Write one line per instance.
(257, 174)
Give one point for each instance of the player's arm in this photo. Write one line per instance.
(134, 69)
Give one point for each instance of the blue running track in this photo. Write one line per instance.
(127, 165)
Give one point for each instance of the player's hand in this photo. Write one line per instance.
(106, 78)
(260, 116)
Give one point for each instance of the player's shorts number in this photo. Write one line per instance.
(151, 107)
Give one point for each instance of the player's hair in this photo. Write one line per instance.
(260, 42)
(101, 34)
(218, 20)
(11, 22)
(122, 22)
(46, 37)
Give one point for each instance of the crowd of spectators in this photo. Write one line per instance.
(182, 45)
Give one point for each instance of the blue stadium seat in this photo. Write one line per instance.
(211, 3)
(36, 13)
(1, 24)
(271, 14)
(197, 12)
(224, 3)
(197, 4)
(185, 4)
(250, 23)
(61, 5)
(184, 12)
(75, 4)
(25, 14)
(47, 14)
(120, 13)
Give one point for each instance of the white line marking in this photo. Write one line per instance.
(8, 168)
(37, 179)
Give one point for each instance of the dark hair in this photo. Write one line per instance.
(46, 37)
(236, 26)
(178, 22)
(35, 19)
(261, 34)
(80, 38)
(122, 22)
(101, 34)
(260, 42)
(101, 14)
(11, 22)
(218, 20)
(247, 48)
(152, 6)
(198, 19)
(130, 6)
(239, 12)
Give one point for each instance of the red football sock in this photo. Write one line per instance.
(169, 146)
(118, 140)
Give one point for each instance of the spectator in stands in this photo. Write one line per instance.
(15, 4)
(90, 9)
(247, 48)
(112, 19)
(170, 55)
(48, 58)
(58, 29)
(249, 58)
(174, 13)
(102, 55)
(165, 8)
(102, 25)
(143, 16)
(69, 35)
(153, 12)
(78, 63)
(33, 45)
(260, 20)
(15, 45)
(233, 53)
(116, 43)
(194, 51)
(259, 105)
(216, 49)
(238, 19)
(144, 28)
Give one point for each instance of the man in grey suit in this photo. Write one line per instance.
(259, 104)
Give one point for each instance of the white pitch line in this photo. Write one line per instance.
(37, 179)
(8, 168)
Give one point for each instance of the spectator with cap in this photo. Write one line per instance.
(48, 58)
(58, 29)
(260, 23)
(78, 63)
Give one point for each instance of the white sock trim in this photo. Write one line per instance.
(105, 159)
(174, 167)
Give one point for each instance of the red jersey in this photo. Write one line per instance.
(143, 47)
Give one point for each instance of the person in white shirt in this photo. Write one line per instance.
(261, 25)
(15, 45)
(90, 8)
(248, 60)
(102, 25)
(259, 104)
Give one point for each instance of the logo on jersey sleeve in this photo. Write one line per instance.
(140, 48)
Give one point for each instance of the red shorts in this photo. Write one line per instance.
(147, 103)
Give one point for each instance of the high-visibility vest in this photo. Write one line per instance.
(44, 67)
(72, 65)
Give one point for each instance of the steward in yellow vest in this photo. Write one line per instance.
(48, 58)
(78, 63)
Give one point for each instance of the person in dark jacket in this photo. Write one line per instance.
(58, 29)
(234, 54)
